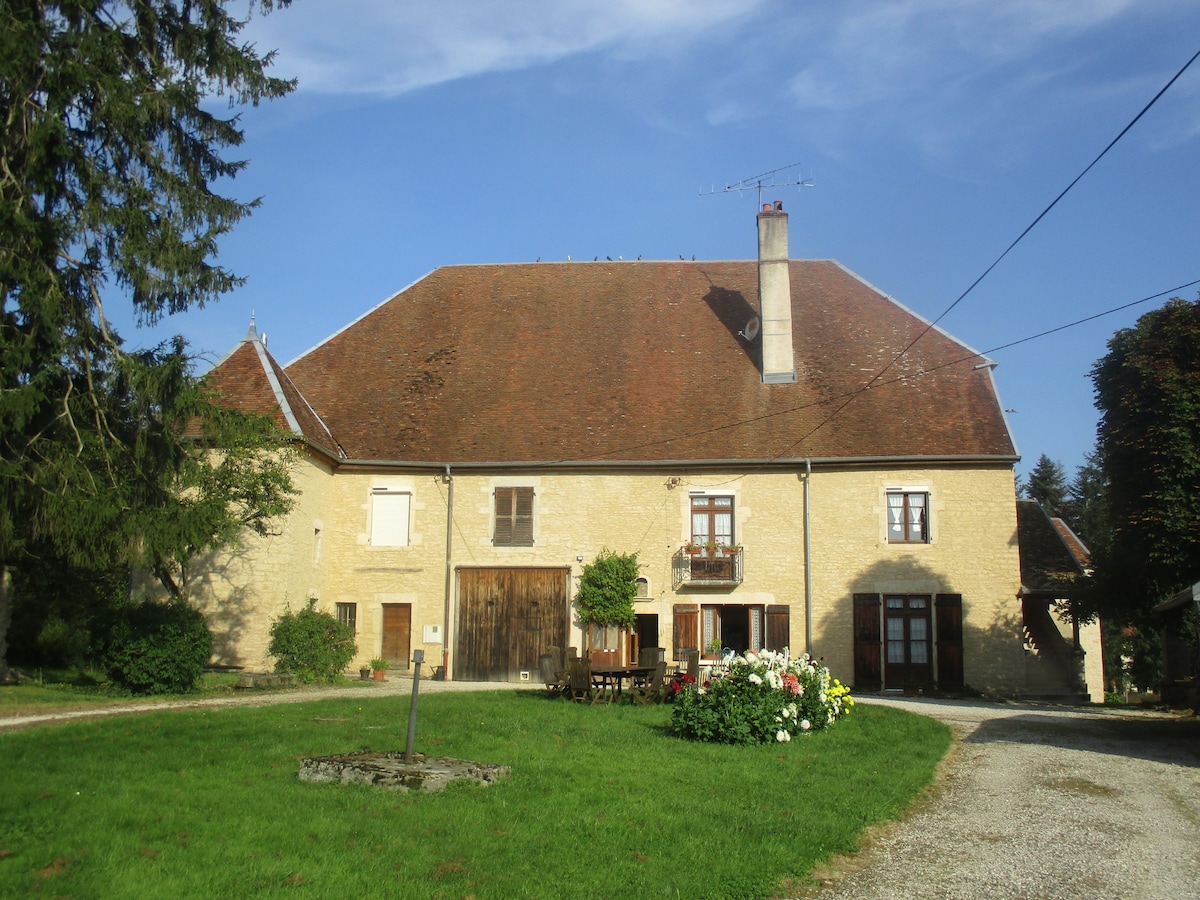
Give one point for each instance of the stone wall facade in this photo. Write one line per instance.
(324, 550)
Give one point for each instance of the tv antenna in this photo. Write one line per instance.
(772, 179)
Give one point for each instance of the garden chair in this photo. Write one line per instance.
(654, 687)
(693, 666)
(555, 678)
(580, 678)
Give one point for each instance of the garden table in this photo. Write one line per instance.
(615, 676)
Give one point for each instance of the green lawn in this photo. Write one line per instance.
(601, 802)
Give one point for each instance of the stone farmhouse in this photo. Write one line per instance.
(797, 459)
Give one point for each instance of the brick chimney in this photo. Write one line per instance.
(775, 296)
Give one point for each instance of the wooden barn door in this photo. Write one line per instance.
(507, 618)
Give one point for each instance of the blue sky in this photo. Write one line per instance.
(935, 131)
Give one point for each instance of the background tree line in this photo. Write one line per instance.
(1135, 502)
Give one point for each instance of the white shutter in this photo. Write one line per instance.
(389, 519)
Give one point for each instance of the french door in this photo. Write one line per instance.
(907, 640)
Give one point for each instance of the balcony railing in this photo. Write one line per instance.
(708, 568)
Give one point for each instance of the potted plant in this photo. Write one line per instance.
(379, 666)
(731, 549)
(691, 548)
(710, 548)
(714, 649)
(606, 591)
(364, 673)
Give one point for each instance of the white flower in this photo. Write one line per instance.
(786, 714)
(782, 736)
(805, 724)
(775, 680)
(754, 679)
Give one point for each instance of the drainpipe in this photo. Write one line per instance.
(808, 643)
(449, 574)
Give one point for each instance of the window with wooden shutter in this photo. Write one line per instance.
(949, 641)
(868, 669)
(389, 517)
(779, 627)
(686, 628)
(514, 517)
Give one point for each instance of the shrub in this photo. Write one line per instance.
(158, 648)
(607, 587)
(311, 644)
(760, 697)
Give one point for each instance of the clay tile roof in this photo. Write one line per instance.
(1049, 562)
(642, 361)
(1076, 547)
(251, 379)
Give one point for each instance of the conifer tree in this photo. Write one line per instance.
(111, 148)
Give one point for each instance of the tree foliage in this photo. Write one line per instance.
(1148, 392)
(1047, 485)
(110, 149)
(607, 588)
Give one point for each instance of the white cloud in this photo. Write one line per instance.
(387, 47)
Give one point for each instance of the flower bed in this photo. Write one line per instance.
(760, 697)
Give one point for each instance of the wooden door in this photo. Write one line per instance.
(397, 634)
(507, 618)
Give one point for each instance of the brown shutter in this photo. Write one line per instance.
(514, 517)
(868, 674)
(522, 535)
(949, 642)
(504, 517)
(686, 628)
(779, 627)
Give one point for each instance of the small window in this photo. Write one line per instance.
(643, 589)
(907, 517)
(347, 614)
(389, 518)
(514, 517)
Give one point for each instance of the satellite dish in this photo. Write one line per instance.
(750, 331)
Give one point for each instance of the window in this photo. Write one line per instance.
(347, 614)
(514, 517)
(907, 517)
(712, 520)
(389, 517)
(643, 589)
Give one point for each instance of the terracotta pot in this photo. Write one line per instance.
(379, 673)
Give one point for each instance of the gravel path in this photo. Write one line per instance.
(394, 685)
(1041, 801)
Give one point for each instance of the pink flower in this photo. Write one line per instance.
(791, 683)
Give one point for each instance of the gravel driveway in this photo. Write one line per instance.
(1040, 801)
